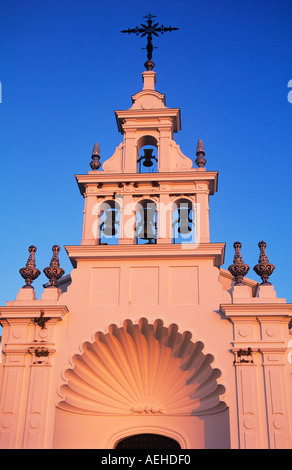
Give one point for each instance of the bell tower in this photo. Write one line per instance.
(148, 181)
(148, 191)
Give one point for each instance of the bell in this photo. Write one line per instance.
(108, 226)
(147, 223)
(184, 220)
(147, 157)
(146, 233)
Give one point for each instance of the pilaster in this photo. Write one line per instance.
(202, 201)
(14, 382)
(260, 342)
(276, 397)
(90, 216)
(252, 429)
(27, 349)
(127, 221)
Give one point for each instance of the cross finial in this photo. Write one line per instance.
(149, 29)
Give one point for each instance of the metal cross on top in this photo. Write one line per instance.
(149, 29)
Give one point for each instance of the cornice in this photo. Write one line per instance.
(190, 176)
(255, 309)
(215, 251)
(32, 310)
(133, 114)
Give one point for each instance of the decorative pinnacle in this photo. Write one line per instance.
(149, 29)
(264, 268)
(30, 272)
(54, 272)
(200, 160)
(95, 163)
(238, 269)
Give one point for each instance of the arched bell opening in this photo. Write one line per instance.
(147, 161)
(183, 226)
(109, 223)
(146, 222)
(147, 441)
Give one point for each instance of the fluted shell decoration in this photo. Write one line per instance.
(142, 369)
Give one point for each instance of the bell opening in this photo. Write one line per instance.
(109, 223)
(183, 222)
(146, 223)
(147, 160)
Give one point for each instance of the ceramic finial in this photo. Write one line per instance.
(238, 269)
(54, 272)
(30, 272)
(200, 160)
(95, 163)
(264, 268)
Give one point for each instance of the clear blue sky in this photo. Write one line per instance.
(65, 68)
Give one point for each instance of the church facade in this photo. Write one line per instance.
(148, 339)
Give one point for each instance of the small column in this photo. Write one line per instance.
(165, 136)
(89, 236)
(164, 223)
(128, 220)
(130, 153)
(202, 212)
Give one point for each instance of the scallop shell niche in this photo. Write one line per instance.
(142, 369)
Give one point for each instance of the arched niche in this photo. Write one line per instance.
(183, 221)
(109, 222)
(147, 160)
(146, 222)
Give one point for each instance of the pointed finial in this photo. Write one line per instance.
(264, 268)
(95, 163)
(200, 160)
(54, 272)
(238, 269)
(30, 272)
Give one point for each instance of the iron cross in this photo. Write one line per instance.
(149, 29)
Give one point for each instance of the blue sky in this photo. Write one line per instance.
(65, 68)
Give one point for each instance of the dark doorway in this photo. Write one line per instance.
(148, 441)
